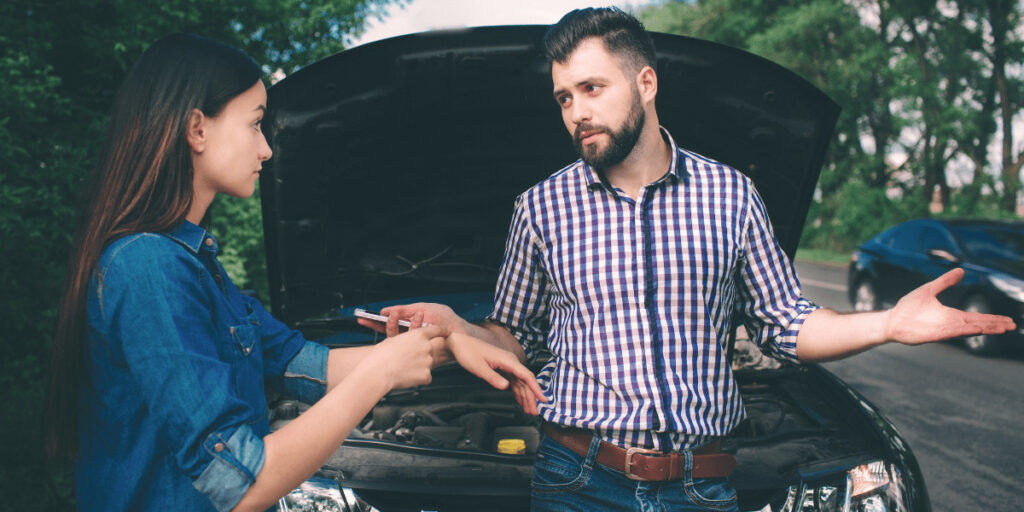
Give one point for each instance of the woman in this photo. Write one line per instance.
(159, 365)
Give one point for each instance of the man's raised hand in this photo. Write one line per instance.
(919, 317)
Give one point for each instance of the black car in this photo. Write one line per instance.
(886, 267)
(394, 173)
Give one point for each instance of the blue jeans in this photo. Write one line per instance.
(564, 481)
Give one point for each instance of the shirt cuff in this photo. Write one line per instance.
(784, 346)
(305, 377)
(236, 462)
(529, 342)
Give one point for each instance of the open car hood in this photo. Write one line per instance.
(396, 163)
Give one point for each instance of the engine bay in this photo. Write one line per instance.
(458, 444)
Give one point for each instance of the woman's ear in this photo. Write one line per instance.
(195, 132)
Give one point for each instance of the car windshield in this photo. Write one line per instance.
(991, 242)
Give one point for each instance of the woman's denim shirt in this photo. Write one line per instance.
(173, 407)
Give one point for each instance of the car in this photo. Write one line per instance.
(395, 169)
(907, 255)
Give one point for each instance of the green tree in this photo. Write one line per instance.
(825, 42)
(60, 64)
(34, 190)
(921, 85)
(1003, 47)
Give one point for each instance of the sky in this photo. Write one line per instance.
(420, 15)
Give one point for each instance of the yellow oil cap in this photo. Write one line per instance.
(512, 446)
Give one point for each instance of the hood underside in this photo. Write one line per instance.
(396, 163)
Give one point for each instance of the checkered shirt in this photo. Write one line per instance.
(634, 298)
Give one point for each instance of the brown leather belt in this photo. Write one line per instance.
(645, 464)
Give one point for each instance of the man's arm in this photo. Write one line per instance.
(520, 302)
(917, 318)
(440, 314)
(480, 348)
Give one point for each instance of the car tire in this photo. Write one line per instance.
(982, 344)
(865, 298)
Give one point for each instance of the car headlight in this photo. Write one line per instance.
(1011, 286)
(874, 487)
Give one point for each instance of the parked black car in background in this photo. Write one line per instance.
(395, 169)
(910, 254)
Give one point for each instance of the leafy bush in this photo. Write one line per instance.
(854, 214)
(238, 226)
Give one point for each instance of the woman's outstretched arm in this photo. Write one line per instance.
(297, 450)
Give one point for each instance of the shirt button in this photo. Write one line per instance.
(247, 350)
(209, 242)
(219, 447)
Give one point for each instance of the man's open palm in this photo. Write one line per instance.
(919, 317)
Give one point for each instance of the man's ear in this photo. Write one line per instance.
(195, 131)
(647, 84)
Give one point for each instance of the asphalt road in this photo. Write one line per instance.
(962, 415)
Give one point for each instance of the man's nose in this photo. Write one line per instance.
(580, 112)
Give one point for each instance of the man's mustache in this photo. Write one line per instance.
(577, 134)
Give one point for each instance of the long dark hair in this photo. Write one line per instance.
(142, 182)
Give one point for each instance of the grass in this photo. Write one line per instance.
(822, 256)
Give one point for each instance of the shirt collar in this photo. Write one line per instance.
(597, 179)
(193, 237)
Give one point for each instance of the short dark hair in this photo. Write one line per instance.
(623, 35)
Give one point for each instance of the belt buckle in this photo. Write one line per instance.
(629, 461)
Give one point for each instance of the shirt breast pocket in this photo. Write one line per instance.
(244, 338)
(247, 359)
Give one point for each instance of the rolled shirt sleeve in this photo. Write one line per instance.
(521, 298)
(299, 366)
(305, 378)
(235, 460)
(769, 296)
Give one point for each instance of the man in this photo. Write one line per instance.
(627, 266)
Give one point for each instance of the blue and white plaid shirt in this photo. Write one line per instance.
(634, 298)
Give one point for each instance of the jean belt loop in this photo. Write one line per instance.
(595, 445)
(688, 472)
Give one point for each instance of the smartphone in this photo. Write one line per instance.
(362, 313)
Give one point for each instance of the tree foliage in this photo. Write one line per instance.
(926, 87)
(60, 64)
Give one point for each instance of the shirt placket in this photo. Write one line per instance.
(641, 317)
(647, 290)
(209, 258)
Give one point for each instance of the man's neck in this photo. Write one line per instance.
(648, 162)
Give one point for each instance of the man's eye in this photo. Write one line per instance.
(564, 100)
(592, 88)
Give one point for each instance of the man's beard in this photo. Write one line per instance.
(620, 144)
